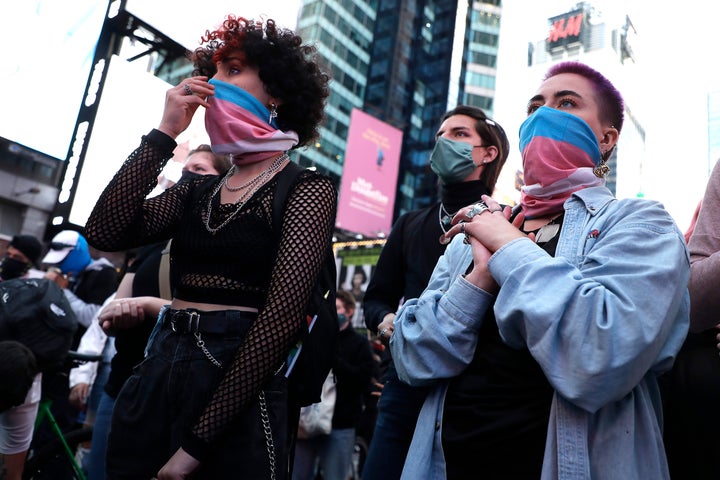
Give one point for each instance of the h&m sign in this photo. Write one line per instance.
(565, 29)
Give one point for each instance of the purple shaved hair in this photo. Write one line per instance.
(610, 101)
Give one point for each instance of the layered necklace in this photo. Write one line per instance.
(251, 187)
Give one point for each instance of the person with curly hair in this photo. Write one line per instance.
(210, 398)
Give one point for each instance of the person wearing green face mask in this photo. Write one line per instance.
(469, 153)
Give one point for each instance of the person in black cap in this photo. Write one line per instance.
(22, 253)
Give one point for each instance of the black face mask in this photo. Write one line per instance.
(11, 268)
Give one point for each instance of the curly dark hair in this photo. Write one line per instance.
(289, 70)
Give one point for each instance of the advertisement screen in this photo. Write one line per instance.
(119, 128)
(49, 49)
(370, 172)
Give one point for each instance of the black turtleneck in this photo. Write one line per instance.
(412, 250)
(462, 194)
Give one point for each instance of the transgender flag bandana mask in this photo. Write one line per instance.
(559, 152)
(237, 124)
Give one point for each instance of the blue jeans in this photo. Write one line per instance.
(96, 390)
(168, 392)
(307, 453)
(398, 410)
(337, 457)
(331, 454)
(94, 461)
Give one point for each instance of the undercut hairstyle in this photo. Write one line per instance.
(347, 299)
(492, 134)
(608, 98)
(289, 69)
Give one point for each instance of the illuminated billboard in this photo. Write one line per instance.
(565, 29)
(370, 172)
(119, 127)
(49, 49)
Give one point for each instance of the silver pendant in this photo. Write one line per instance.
(547, 232)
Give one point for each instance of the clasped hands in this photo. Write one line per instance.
(487, 228)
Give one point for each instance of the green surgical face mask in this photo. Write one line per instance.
(452, 160)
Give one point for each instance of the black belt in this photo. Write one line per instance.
(216, 322)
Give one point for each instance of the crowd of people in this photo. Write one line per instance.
(548, 339)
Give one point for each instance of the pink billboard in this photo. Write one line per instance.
(370, 171)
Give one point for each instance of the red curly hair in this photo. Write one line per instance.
(288, 69)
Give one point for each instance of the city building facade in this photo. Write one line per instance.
(713, 109)
(405, 62)
(605, 42)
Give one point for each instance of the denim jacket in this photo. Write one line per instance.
(603, 318)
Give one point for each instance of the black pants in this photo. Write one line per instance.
(691, 397)
(165, 396)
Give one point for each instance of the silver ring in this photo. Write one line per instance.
(383, 332)
(462, 227)
(188, 90)
(476, 209)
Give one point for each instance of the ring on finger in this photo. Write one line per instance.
(476, 209)
(188, 90)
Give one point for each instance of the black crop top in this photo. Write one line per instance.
(234, 266)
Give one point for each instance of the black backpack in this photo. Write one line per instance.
(35, 312)
(311, 360)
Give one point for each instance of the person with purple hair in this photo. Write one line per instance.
(542, 330)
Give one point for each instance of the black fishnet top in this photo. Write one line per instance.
(234, 266)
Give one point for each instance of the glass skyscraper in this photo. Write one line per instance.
(713, 107)
(404, 62)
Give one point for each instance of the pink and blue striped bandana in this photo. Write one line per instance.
(239, 125)
(559, 152)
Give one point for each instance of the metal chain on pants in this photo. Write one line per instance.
(268, 433)
(201, 344)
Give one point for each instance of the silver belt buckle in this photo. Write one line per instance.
(172, 323)
(192, 317)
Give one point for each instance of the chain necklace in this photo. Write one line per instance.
(256, 183)
(244, 185)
